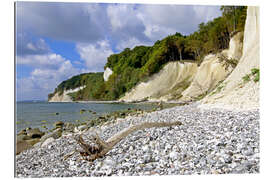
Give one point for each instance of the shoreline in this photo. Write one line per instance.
(161, 151)
(127, 102)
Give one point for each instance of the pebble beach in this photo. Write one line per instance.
(209, 141)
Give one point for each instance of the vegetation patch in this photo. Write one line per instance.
(254, 75)
(219, 88)
(227, 62)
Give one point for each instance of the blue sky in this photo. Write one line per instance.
(55, 41)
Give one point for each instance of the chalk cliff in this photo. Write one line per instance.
(213, 70)
(107, 74)
(235, 92)
(186, 81)
(166, 84)
(64, 97)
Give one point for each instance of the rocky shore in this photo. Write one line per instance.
(210, 141)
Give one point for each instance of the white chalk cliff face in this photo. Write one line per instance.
(107, 74)
(164, 85)
(65, 97)
(186, 81)
(212, 71)
(236, 94)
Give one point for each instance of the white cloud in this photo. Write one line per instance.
(161, 20)
(148, 23)
(206, 13)
(76, 22)
(95, 55)
(45, 76)
(121, 16)
(50, 61)
(25, 45)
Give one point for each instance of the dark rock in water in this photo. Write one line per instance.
(101, 117)
(57, 113)
(58, 124)
(29, 128)
(82, 111)
(94, 112)
(35, 133)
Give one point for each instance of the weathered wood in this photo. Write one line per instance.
(99, 147)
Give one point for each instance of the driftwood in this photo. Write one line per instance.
(98, 148)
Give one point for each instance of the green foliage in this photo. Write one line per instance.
(132, 66)
(246, 78)
(255, 75)
(93, 83)
(227, 62)
(219, 86)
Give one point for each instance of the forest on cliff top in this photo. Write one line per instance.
(132, 66)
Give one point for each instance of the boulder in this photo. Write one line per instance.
(21, 146)
(81, 128)
(22, 137)
(22, 132)
(82, 111)
(58, 124)
(35, 133)
(69, 127)
(47, 141)
(55, 134)
(33, 141)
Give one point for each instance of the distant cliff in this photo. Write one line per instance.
(65, 97)
(79, 87)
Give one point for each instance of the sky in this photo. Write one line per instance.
(55, 41)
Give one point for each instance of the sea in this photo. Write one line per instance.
(43, 114)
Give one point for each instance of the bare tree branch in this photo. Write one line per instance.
(98, 148)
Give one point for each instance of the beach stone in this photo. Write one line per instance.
(21, 146)
(47, 141)
(173, 155)
(82, 127)
(58, 124)
(82, 111)
(35, 133)
(57, 133)
(69, 127)
(199, 146)
(109, 162)
(22, 137)
(33, 141)
(22, 132)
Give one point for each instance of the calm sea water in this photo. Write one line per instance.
(38, 114)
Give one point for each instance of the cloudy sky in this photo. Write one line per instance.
(55, 41)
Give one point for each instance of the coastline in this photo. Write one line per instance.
(217, 134)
